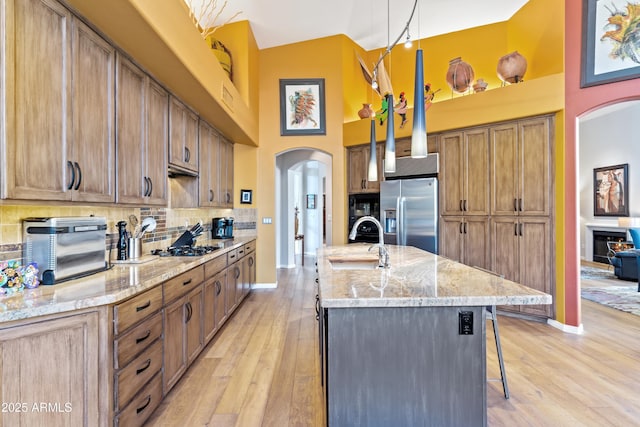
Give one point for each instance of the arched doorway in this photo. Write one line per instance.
(303, 176)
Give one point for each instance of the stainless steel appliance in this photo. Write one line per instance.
(222, 228)
(65, 248)
(409, 209)
(364, 205)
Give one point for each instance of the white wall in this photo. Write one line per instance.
(608, 136)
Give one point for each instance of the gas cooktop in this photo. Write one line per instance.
(185, 251)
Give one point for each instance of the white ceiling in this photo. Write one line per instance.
(280, 22)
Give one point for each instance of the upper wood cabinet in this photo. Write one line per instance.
(59, 125)
(209, 175)
(464, 172)
(226, 173)
(521, 168)
(183, 137)
(358, 167)
(403, 146)
(142, 128)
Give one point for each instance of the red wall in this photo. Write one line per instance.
(578, 102)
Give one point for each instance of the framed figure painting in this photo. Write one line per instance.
(609, 41)
(611, 191)
(302, 108)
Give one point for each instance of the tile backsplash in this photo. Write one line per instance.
(170, 223)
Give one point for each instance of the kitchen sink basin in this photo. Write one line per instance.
(353, 263)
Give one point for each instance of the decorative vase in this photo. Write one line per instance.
(366, 111)
(480, 86)
(459, 75)
(511, 67)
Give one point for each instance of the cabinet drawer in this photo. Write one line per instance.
(232, 256)
(137, 308)
(182, 284)
(214, 266)
(143, 405)
(136, 340)
(249, 247)
(137, 373)
(241, 252)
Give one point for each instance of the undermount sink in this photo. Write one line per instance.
(353, 263)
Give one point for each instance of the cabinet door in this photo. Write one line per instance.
(156, 144)
(220, 282)
(451, 243)
(38, 100)
(535, 260)
(358, 161)
(504, 170)
(249, 273)
(63, 351)
(232, 283)
(183, 136)
(238, 270)
(174, 345)
(228, 159)
(476, 172)
(477, 242)
(194, 308)
(209, 174)
(93, 116)
(451, 176)
(535, 167)
(504, 247)
(130, 131)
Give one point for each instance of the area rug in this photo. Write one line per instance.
(622, 297)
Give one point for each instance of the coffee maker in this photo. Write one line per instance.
(222, 228)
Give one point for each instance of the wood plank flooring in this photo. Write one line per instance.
(262, 369)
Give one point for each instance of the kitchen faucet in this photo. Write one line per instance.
(383, 254)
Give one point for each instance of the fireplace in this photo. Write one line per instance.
(600, 247)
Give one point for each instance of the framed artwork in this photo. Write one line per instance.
(246, 196)
(311, 201)
(611, 191)
(302, 108)
(609, 47)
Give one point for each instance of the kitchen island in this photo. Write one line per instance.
(406, 345)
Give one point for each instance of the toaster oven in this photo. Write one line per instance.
(65, 248)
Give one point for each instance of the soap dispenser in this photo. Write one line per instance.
(122, 240)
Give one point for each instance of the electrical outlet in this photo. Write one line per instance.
(266, 220)
(465, 323)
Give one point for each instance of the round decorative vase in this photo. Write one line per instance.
(366, 111)
(459, 75)
(480, 86)
(511, 67)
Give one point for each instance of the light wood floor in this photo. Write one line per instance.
(262, 369)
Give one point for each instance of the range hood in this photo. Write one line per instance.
(175, 170)
(408, 167)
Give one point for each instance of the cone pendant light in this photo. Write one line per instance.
(390, 145)
(372, 173)
(419, 134)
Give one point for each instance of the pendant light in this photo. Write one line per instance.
(390, 145)
(372, 172)
(419, 134)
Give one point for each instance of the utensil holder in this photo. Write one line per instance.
(134, 248)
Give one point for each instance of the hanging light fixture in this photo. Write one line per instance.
(390, 144)
(372, 172)
(419, 134)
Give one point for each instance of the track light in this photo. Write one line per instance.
(408, 43)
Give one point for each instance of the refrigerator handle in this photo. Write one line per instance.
(402, 232)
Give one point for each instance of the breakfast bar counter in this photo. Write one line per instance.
(406, 345)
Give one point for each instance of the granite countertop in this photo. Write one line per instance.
(415, 278)
(120, 282)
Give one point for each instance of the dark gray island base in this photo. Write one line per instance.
(396, 346)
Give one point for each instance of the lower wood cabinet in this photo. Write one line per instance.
(467, 240)
(214, 294)
(55, 363)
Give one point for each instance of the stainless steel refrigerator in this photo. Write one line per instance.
(409, 212)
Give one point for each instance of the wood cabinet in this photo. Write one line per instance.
(70, 112)
(183, 137)
(467, 240)
(209, 170)
(214, 299)
(521, 168)
(56, 362)
(522, 253)
(464, 172)
(248, 271)
(142, 129)
(358, 167)
(226, 173)
(234, 271)
(403, 146)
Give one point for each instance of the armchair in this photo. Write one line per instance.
(626, 263)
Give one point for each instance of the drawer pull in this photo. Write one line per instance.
(186, 283)
(218, 287)
(143, 407)
(146, 366)
(142, 307)
(147, 334)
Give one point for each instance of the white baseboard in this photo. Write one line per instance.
(264, 285)
(578, 330)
